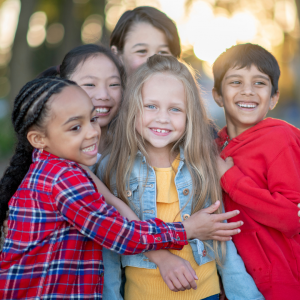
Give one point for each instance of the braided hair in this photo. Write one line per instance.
(31, 107)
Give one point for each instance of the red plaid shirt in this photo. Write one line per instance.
(58, 224)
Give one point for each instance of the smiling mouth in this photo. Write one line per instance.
(89, 149)
(103, 110)
(247, 105)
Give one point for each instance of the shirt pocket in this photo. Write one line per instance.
(251, 249)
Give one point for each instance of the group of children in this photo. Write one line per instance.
(164, 173)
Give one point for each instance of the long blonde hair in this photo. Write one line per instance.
(197, 142)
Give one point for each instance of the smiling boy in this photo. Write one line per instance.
(261, 172)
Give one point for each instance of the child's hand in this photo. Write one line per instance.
(224, 165)
(176, 272)
(5, 228)
(204, 225)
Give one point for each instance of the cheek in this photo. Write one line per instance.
(134, 62)
(117, 97)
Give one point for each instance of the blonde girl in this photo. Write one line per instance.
(162, 162)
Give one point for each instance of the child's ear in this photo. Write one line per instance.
(36, 139)
(274, 100)
(218, 98)
(115, 51)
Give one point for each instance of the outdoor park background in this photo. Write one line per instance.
(36, 34)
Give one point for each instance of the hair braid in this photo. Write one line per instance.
(30, 108)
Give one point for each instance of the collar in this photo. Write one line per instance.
(45, 155)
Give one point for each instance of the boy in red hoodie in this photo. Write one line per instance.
(260, 169)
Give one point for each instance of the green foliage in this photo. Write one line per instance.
(7, 137)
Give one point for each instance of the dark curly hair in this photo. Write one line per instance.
(31, 107)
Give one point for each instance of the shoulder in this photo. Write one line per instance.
(280, 133)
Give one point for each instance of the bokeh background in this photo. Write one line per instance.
(36, 34)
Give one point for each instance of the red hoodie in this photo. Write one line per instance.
(264, 185)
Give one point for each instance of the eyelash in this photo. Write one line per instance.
(94, 119)
(74, 128)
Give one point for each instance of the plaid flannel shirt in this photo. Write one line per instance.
(58, 224)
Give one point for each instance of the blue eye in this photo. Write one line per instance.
(150, 106)
(115, 84)
(235, 82)
(175, 109)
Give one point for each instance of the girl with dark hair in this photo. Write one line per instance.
(98, 71)
(141, 33)
(58, 222)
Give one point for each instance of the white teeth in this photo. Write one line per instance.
(91, 148)
(161, 130)
(247, 105)
(102, 110)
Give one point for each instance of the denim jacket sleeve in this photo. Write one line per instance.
(238, 284)
(113, 276)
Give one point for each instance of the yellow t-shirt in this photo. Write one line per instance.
(147, 284)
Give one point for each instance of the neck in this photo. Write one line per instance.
(103, 140)
(234, 130)
(160, 157)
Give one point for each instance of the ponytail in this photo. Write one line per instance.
(30, 108)
(50, 72)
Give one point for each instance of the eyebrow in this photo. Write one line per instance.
(77, 117)
(144, 44)
(94, 77)
(257, 76)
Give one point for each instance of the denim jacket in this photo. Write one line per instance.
(141, 192)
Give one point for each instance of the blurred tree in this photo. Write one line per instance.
(21, 63)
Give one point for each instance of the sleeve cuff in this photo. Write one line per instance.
(175, 236)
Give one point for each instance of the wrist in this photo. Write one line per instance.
(158, 256)
(187, 228)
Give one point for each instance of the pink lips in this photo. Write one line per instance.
(91, 150)
(154, 130)
(104, 113)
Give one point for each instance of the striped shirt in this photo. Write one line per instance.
(58, 224)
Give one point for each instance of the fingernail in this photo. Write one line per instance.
(239, 230)
(196, 277)
(237, 211)
(242, 223)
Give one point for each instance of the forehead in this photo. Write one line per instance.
(99, 65)
(163, 86)
(145, 33)
(248, 71)
(72, 100)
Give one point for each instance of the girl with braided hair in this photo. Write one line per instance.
(58, 222)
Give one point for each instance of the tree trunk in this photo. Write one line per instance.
(21, 70)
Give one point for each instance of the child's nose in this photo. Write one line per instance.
(248, 90)
(94, 131)
(102, 94)
(163, 116)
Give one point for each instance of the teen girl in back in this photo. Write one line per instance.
(162, 161)
(58, 222)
